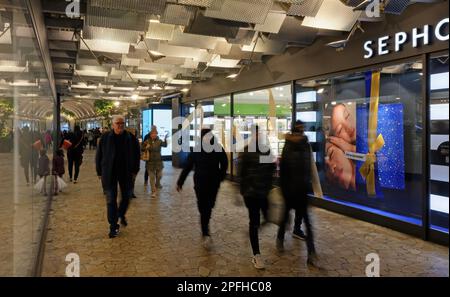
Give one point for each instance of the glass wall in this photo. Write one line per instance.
(270, 109)
(366, 129)
(439, 146)
(26, 113)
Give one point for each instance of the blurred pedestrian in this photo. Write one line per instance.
(210, 167)
(256, 175)
(295, 182)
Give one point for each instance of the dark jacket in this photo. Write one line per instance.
(44, 166)
(76, 150)
(210, 169)
(255, 177)
(295, 167)
(104, 159)
(58, 165)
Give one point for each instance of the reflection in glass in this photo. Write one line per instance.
(26, 113)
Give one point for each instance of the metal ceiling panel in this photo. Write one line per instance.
(6, 37)
(352, 3)
(194, 40)
(60, 35)
(171, 61)
(223, 63)
(190, 63)
(184, 52)
(116, 19)
(200, 3)
(202, 25)
(266, 46)
(222, 48)
(333, 15)
(106, 46)
(272, 24)
(306, 8)
(160, 31)
(178, 14)
(243, 37)
(293, 31)
(126, 61)
(396, 6)
(249, 11)
(100, 33)
(291, 1)
(141, 6)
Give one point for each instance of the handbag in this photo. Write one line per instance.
(37, 145)
(277, 206)
(66, 144)
(145, 155)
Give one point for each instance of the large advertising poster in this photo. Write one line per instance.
(346, 131)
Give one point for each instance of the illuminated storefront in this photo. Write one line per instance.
(378, 125)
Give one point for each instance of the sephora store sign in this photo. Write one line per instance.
(418, 37)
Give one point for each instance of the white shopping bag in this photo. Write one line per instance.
(38, 186)
(276, 206)
(61, 183)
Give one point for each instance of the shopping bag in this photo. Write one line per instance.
(37, 145)
(66, 144)
(277, 206)
(145, 155)
(61, 183)
(40, 183)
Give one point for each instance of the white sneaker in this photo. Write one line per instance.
(207, 242)
(153, 194)
(258, 262)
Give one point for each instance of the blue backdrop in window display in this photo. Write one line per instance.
(390, 159)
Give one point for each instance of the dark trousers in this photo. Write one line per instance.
(114, 211)
(298, 220)
(301, 212)
(146, 176)
(206, 199)
(74, 161)
(255, 206)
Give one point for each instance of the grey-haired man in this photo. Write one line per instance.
(117, 162)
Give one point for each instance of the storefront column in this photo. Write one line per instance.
(426, 150)
(57, 123)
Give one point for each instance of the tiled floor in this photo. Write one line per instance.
(163, 238)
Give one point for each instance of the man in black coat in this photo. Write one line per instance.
(117, 162)
(295, 182)
(210, 171)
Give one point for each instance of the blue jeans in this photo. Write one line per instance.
(114, 211)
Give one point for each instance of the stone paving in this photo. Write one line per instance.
(163, 238)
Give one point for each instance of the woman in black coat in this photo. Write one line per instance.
(75, 152)
(210, 171)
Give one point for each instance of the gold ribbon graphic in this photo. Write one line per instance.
(375, 142)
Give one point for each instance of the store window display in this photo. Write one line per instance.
(271, 110)
(368, 128)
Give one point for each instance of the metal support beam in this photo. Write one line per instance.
(37, 19)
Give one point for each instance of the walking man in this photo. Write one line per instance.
(117, 163)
